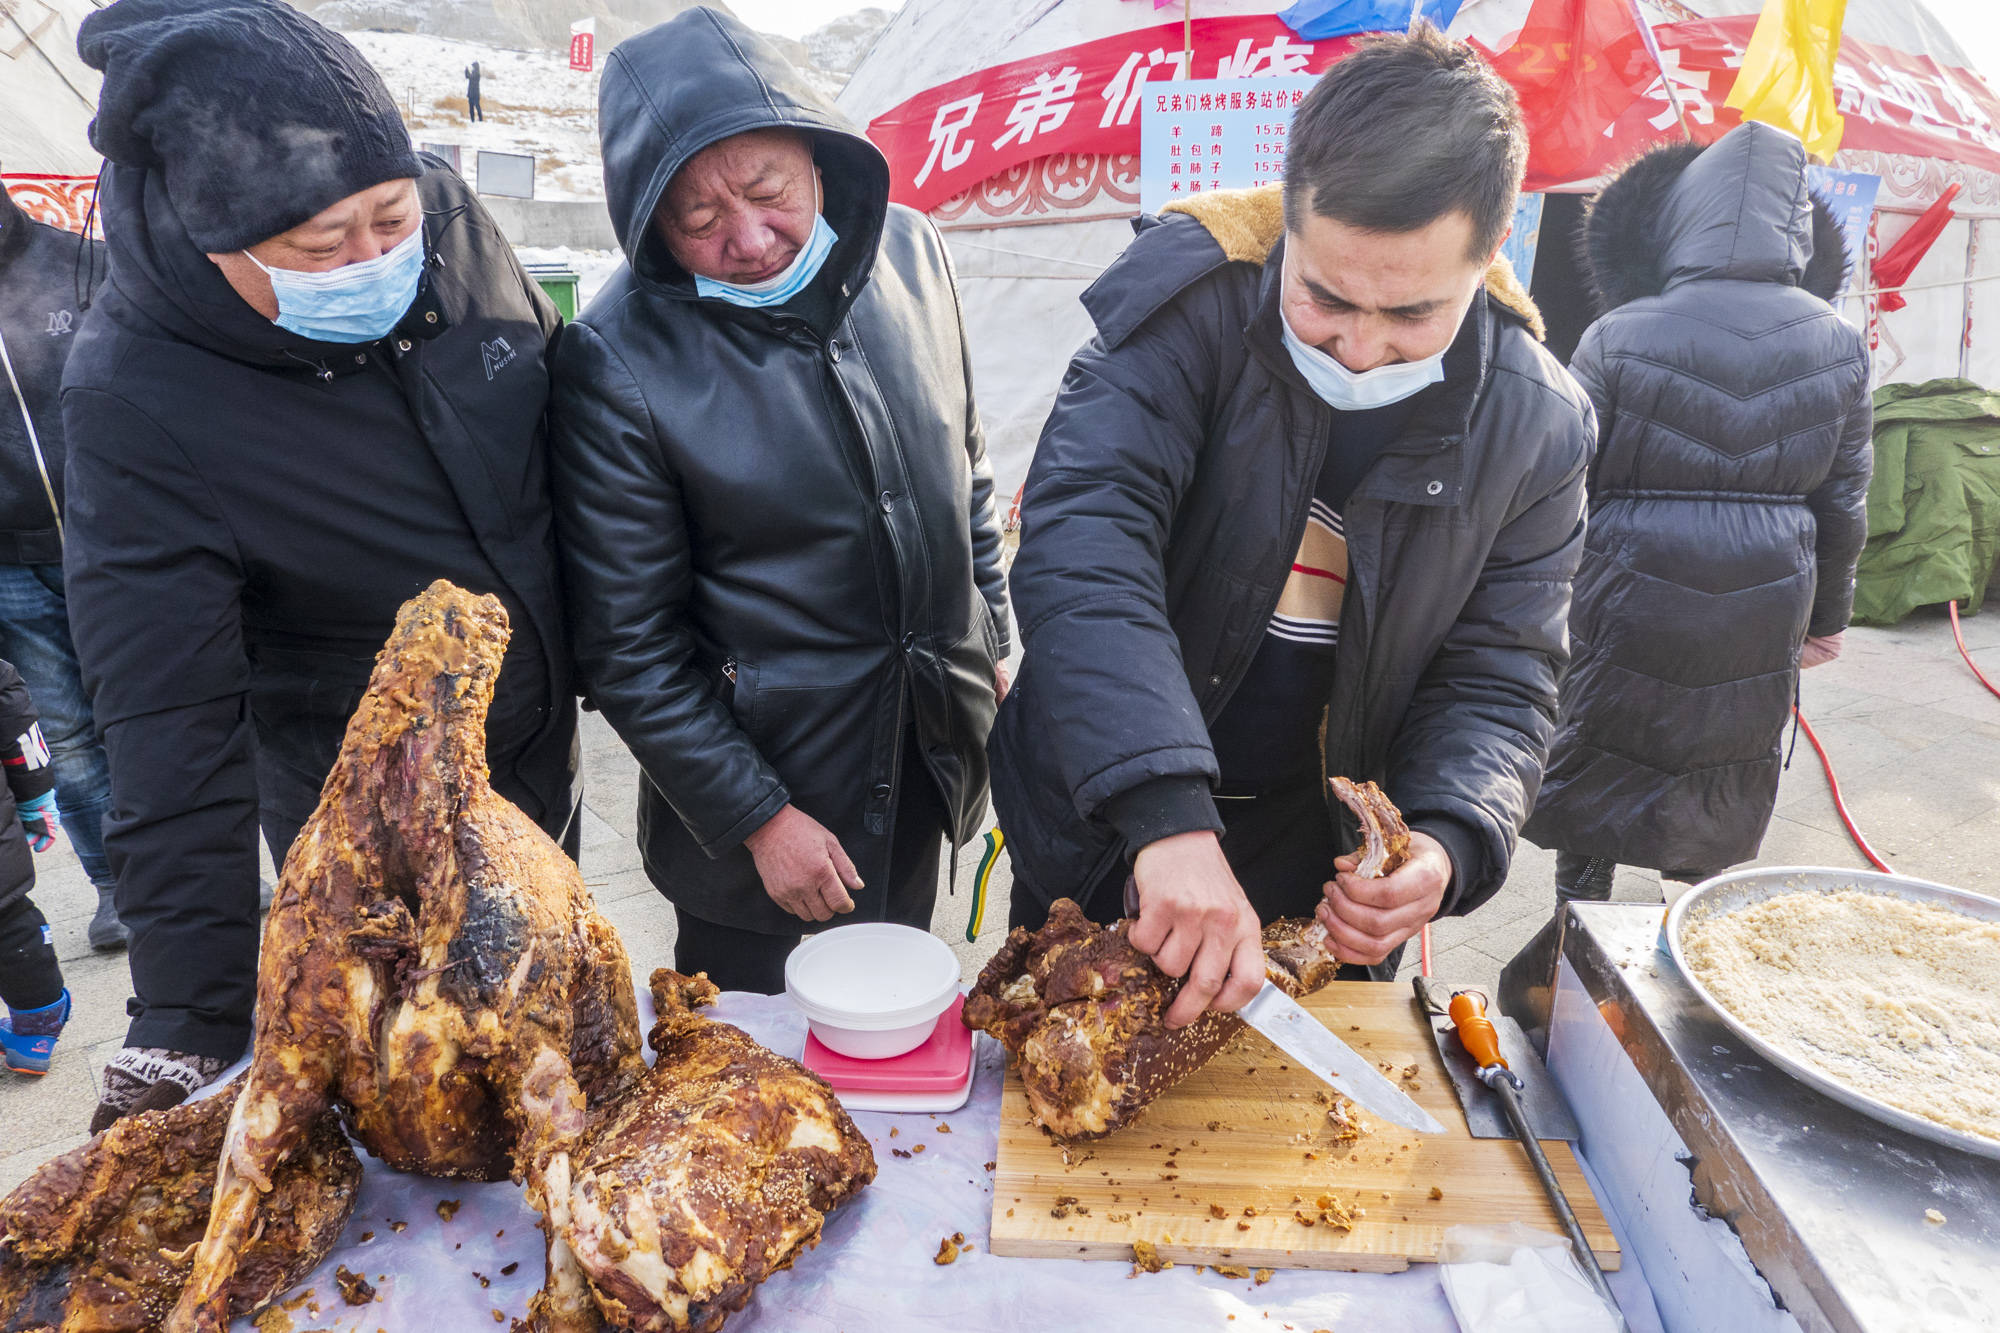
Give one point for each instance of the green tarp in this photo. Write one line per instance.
(1934, 503)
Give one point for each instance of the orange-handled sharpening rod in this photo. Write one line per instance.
(1482, 1042)
(1475, 1029)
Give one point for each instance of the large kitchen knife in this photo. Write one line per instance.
(1298, 1034)
(1287, 1026)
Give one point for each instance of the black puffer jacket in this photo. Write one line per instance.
(1726, 504)
(247, 510)
(42, 269)
(1164, 510)
(777, 536)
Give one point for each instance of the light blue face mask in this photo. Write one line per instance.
(356, 303)
(782, 288)
(1359, 390)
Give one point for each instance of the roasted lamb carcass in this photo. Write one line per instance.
(433, 966)
(102, 1237)
(1083, 1011)
(714, 1173)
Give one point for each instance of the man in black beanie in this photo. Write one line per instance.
(313, 383)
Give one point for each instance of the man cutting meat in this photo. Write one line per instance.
(1309, 503)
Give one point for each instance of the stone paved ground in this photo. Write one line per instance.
(1915, 739)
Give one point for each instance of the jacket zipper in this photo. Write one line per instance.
(895, 765)
(34, 440)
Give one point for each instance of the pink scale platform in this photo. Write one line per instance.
(936, 1076)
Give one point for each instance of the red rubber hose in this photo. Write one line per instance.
(1839, 805)
(1960, 638)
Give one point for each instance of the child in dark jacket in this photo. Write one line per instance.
(31, 982)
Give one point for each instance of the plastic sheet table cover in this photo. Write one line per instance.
(873, 1271)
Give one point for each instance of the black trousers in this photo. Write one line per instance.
(30, 977)
(472, 107)
(1281, 843)
(737, 959)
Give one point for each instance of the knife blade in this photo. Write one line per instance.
(1287, 1026)
(1298, 1034)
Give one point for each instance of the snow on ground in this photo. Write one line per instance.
(593, 268)
(533, 101)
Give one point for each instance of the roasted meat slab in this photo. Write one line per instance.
(433, 966)
(1083, 1011)
(101, 1238)
(714, 1173)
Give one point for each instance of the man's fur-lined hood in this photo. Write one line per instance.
(1247, 223)
(1738, 208)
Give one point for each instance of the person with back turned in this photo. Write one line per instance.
(1727, 513)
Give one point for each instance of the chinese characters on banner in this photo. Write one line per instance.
(582, 44)
(1080, 99)
(1214, 134)
(1850, 195)
(1085, 99)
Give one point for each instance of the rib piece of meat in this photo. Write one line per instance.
(709, 1176)
(101, 1238)
(1385, 841)
(1083, 1011)
(433, 965)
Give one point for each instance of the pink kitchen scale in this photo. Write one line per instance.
(935, 1077)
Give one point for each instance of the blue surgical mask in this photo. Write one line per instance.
(782, 288)
(356, 303)
(1359, 390)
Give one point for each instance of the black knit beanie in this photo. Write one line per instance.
(255, 116)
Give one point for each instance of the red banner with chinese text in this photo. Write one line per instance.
(1081, 99)
(1895, 101)
(1085, 99)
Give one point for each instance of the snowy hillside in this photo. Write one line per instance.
(518, 23)
(838, 47)
(534, 103)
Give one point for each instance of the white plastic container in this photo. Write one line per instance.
(872, 990)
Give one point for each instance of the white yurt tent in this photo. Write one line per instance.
(47, 97)
(1029, 235)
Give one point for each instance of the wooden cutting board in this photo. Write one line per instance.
(1248, 1137)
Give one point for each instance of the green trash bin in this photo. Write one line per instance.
(561, 285)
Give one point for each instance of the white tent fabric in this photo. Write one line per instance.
(1027, 242)
(47, 97)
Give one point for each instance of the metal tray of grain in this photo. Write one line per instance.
(1732, 892)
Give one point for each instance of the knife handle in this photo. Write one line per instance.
(1475, 1030)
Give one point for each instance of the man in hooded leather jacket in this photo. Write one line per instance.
(775, 509)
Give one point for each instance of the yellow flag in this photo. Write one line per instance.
(1787, 74)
